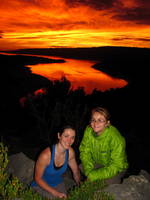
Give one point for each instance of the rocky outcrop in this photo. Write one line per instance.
(135, 187)
(22, 167)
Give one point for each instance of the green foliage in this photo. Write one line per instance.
(3, 164)
(11, 188)
(90, 191)
(28, 194)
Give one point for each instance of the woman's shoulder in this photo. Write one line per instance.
(45, 154)
(71, 152)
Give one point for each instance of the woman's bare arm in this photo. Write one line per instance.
(73, 165)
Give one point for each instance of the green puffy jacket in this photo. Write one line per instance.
(107, 149)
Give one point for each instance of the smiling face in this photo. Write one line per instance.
(98, 122)
(66, 139)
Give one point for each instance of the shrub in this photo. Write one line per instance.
(10, 186)
(89, 191)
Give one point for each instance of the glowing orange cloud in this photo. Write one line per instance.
(44, 23)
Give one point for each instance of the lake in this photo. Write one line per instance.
(80, 74)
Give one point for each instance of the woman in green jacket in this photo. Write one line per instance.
(102, 149)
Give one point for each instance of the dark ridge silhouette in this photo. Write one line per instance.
(41, 117)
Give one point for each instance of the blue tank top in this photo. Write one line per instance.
(52, 175)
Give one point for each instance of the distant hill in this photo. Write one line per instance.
(95, 53)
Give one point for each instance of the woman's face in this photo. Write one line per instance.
(66, 139)
(98, 122)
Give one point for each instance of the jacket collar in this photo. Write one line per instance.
(103, 133)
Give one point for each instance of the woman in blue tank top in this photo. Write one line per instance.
(52, 164)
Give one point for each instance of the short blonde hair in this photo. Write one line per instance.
(102, 111)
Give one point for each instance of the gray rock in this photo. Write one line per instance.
(22, 167)
(132, 188)
(145, 174)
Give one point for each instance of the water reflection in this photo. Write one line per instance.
(80, 73)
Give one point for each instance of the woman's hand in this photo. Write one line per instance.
(74, 167)
(59, 194)
(77, 178)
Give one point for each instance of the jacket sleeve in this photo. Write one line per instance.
(117, 164)
(85, 155)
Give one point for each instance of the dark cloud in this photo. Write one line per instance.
(139, 12)
(131, 38)
(121, 38)
(67, 25)
(1, 34)
(138, 15)
(96, 4)
(19, 24)
(143, 2)
(61, 24)
(144, 39)
(30, 1)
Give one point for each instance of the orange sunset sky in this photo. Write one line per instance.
(74, 23)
